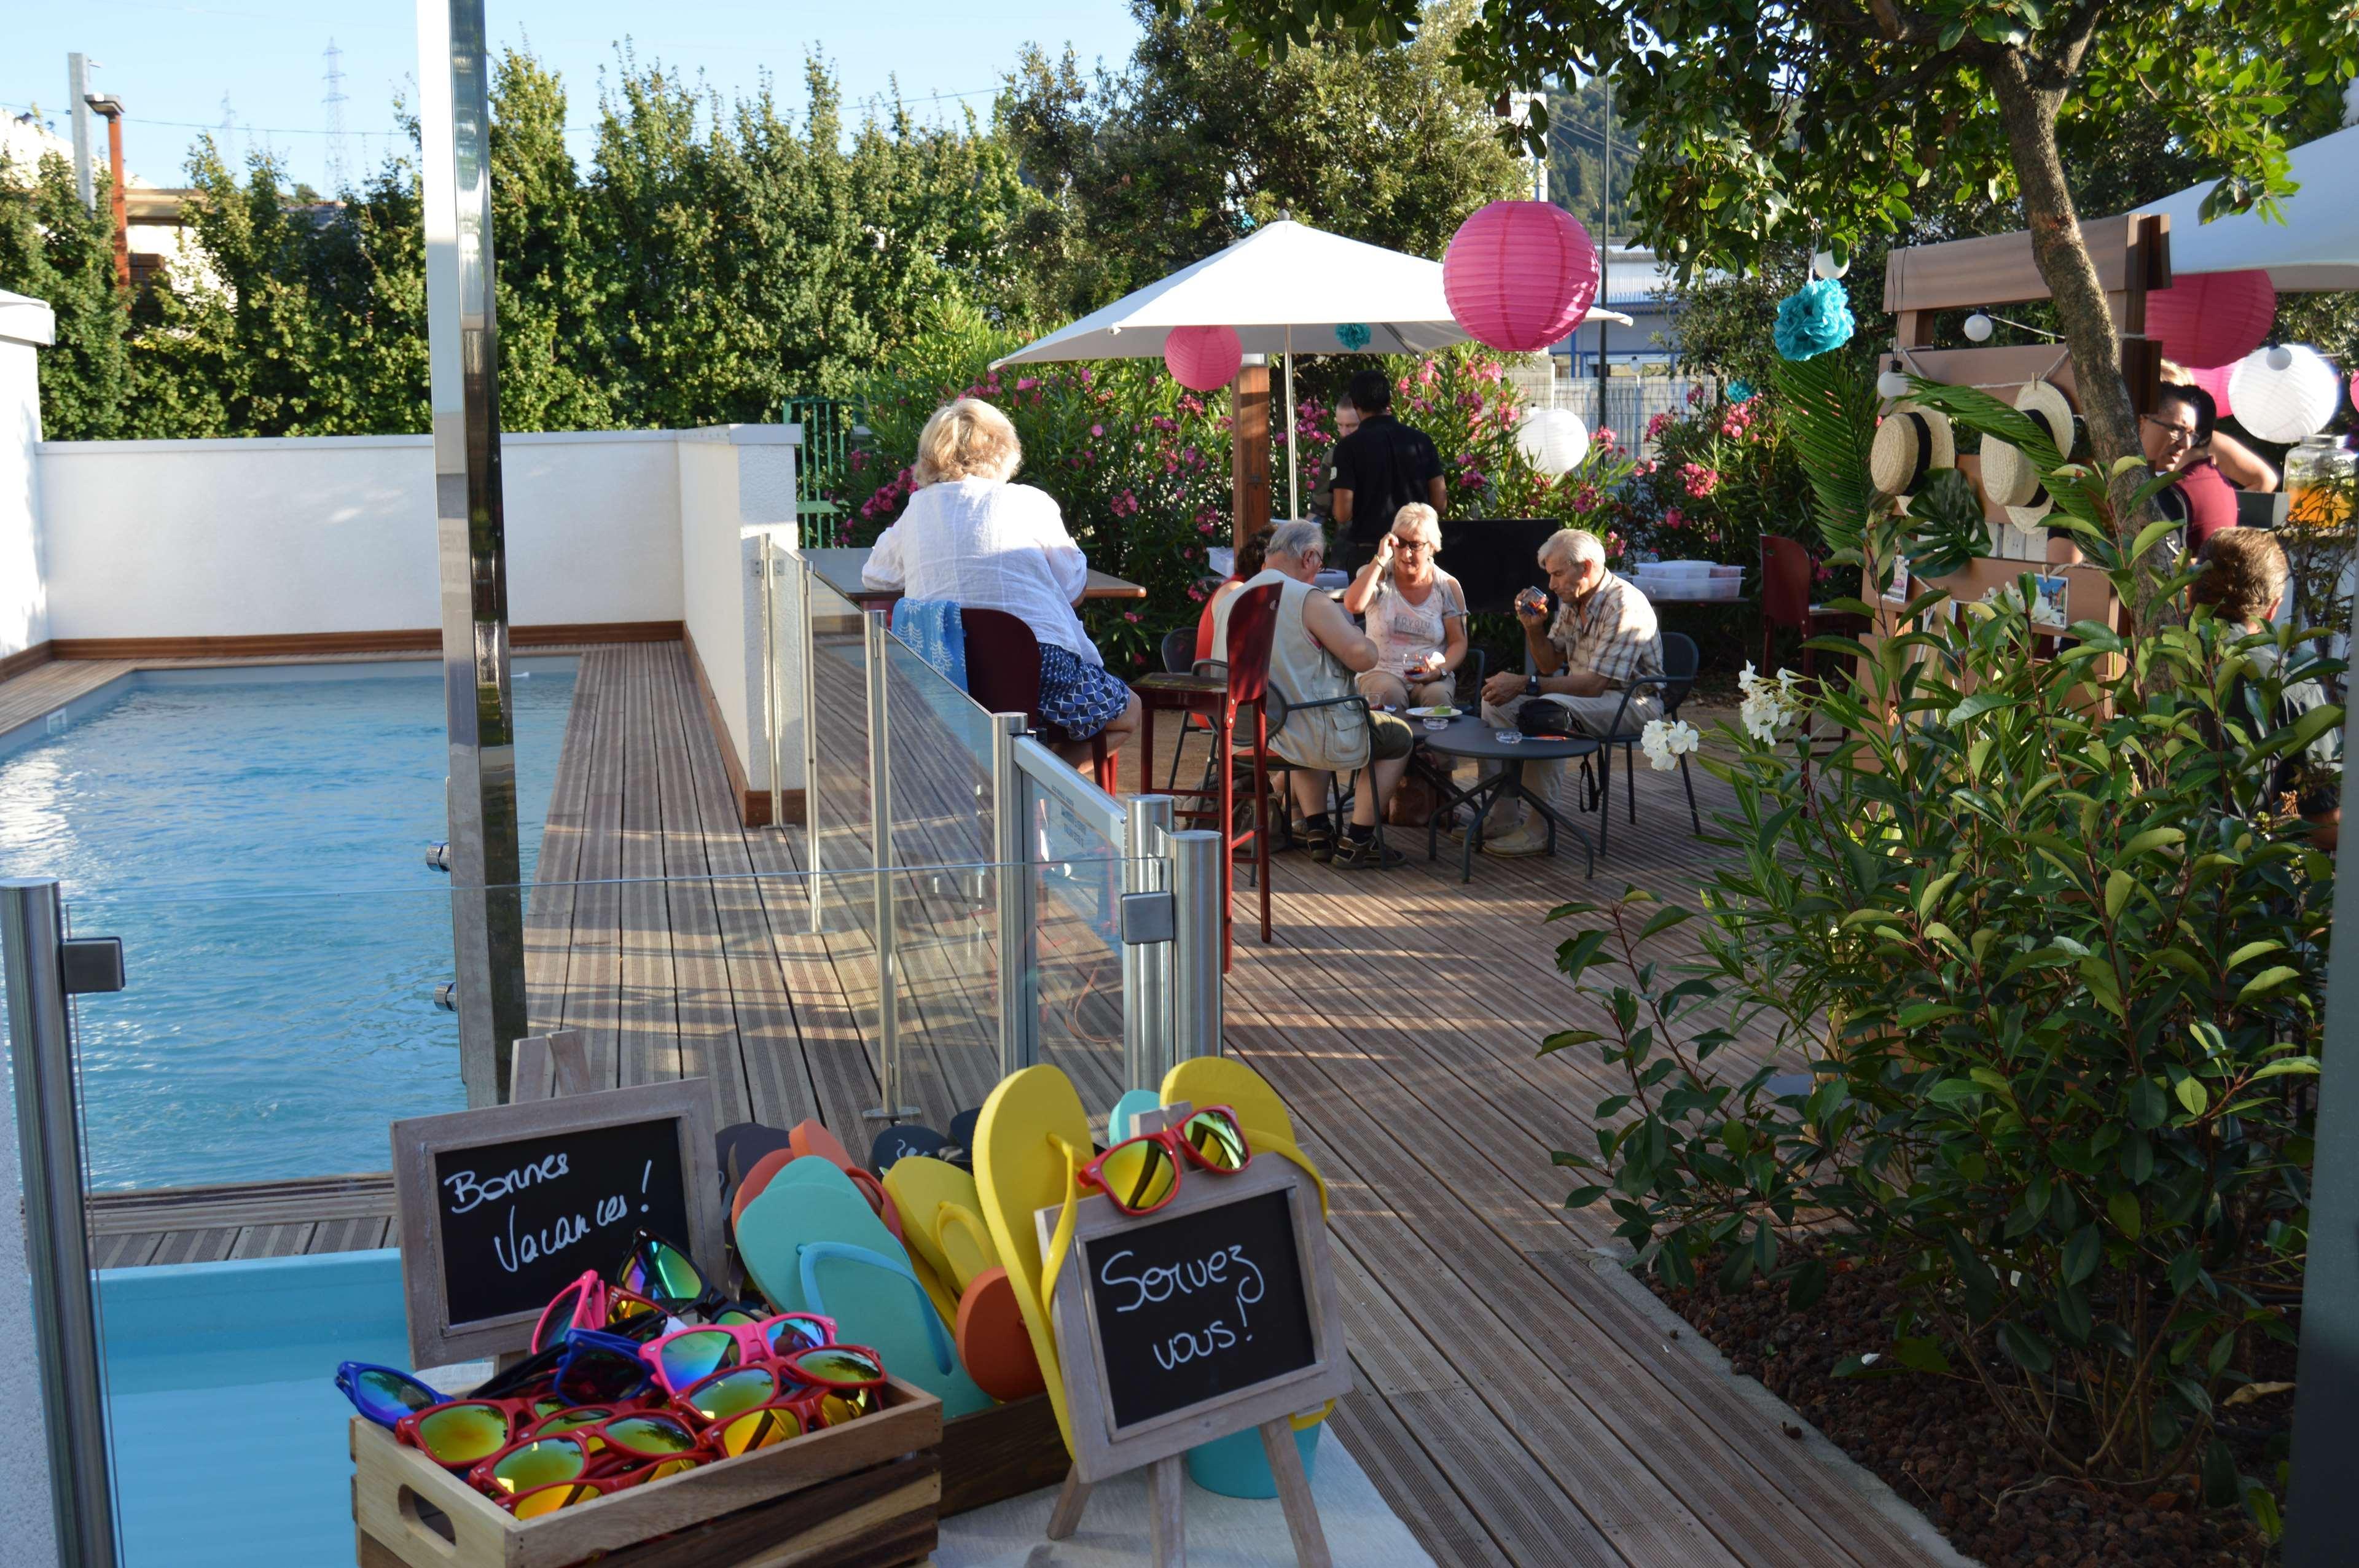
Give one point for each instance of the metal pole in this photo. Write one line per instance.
(812, 867)
(1605, 239)
(2325, 1445)
(880, 837)
(772, 699)
(462, 357)
(1293, 496)
(57, 1248)
(1196, 1001)
(78, 98)
(1145, 966)
(1019, 982)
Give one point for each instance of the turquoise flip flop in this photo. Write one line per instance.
(812, 1244)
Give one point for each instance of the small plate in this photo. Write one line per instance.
(1441, 710)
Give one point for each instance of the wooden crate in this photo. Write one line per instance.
(863, 1495)
(1002, 1452)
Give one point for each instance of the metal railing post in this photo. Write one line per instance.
(1145, 966)
(773, 717)
(812, 867)
(1019, 994)
(880, 837)
(57, 1247)
(1196, 1001)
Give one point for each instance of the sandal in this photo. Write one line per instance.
(1319, 842)
(1369, 854)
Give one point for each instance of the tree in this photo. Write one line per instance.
(1768, 126)
(1193, 147)
(53, 248)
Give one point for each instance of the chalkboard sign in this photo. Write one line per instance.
(1214, 1314)
(1194, 1308)
(501, 1207)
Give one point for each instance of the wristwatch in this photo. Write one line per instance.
(1532, 686)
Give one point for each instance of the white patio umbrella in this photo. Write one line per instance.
(2315, 249)
(1285, 288)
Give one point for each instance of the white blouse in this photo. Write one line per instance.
(987, 545)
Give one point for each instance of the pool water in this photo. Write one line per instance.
(257, 840)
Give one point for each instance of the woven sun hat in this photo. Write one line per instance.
(2009, 480)
(1911, 443)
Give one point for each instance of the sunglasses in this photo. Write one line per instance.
(458, 1434)
(590, 1302)
(684, 1356)
(383, 1394)
(1142, 1174)
(548, 1499)
(763, 1425)
(646, 1437)
(661, 1272)
(588, 1366)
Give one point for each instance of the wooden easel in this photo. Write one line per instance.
(550, 1066)
(1165, 1450)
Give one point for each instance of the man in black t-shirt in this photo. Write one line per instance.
(1379, 469)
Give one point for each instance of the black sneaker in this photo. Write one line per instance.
(1369, 854)
(1319, 842)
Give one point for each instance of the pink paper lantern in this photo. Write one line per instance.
(1519, 275)
(1203, 358)
(2213, 379)
(2212, 319)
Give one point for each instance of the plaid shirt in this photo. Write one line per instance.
(1613, 635)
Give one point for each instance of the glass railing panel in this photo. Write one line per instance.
(837, 832)
(1076, 878)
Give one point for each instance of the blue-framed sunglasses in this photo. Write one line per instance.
(384, 1394)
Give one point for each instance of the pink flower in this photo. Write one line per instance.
(1474, 476)
(1401, 385)
(1097, 430)
(1613, 542)
(1695, 396)
(1124, 506)
(1658, 424)
(1027, 383)
(1195, 593)
(1645, 468)
(1699, 480)
(1606, 436)
(1428, 372)
(1586, 498)
(1672, 519)
(1131, 616)
(1203, 527)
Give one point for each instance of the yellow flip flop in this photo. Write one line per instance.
(1221, 1080)
(1018, 1171)
(966, 1239)
(921, 1185)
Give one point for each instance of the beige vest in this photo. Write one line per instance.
(1302, 671)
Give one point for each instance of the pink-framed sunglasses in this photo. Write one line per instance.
(590, 1302)
(685, 1355)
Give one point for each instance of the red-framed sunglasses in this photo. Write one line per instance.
(687, 1354)
(590, 1302)
(620, 1442)
(548, 1499)
(1142, 1174)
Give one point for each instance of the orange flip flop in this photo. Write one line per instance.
(811, 1138)
(993, 1343)
(880, 1200)
(760, 1176)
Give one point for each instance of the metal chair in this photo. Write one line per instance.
(1003, 674)
(1678, 679)
(1179, 659)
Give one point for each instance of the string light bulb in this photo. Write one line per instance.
(1892, 385)
(1978, 327)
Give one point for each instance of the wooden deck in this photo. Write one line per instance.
(1514, 1405)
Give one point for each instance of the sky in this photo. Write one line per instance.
(174, 65)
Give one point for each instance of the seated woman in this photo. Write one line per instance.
(1416, 615)
(1249, 563)
(971, 537)
(2244, 577)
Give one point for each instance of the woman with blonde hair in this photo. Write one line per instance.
(1416, 614)
(972, 536)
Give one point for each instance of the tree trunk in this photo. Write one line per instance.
(2028, 111)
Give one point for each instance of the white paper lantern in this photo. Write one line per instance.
(1892, 385)
(1553, 440)
(1978, 327)
(1823, 265)
(2284, 393)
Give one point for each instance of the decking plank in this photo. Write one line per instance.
(593, 974)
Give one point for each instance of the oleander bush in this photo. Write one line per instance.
(2055, 961)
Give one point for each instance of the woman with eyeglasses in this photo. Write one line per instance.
(1416, 615)
(2203, 500)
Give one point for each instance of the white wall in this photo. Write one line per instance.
(337, 534)
(26, 328)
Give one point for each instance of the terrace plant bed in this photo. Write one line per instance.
(1938, 1444)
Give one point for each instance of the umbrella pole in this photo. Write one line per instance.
(1293, 501)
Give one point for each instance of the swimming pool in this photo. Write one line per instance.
(255, 836)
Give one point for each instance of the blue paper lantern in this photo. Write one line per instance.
(1740, 391)
(1813, 319)
(1353, 336)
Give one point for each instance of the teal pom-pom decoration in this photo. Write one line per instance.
(1813, 319)
(1353, 336)
(1740, 391)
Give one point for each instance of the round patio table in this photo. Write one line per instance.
(1468, 736)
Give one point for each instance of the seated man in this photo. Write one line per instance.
(1314, 651)
(1603, 637)
(2245, 579)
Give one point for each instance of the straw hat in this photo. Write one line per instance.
(1910, 442)
(2009, 480)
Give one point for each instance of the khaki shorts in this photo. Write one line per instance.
(1390, 739)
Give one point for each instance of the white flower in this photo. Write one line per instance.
(1664, 741)
(1769, 708)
